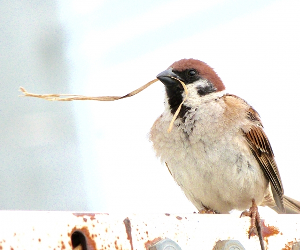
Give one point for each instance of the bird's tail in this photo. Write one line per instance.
(291, 206)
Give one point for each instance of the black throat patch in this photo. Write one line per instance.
(175, 98)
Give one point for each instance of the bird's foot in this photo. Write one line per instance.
(207, 210)
(254, 222)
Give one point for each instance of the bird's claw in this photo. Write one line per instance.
(254, 222)
(207, 211)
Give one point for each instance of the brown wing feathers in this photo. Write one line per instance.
(262, 150)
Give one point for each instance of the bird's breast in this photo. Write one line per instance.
(209, 158)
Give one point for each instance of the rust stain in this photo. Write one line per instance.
(63, 246)
(268, 230)
(127, 224)
(150, 243)
(116, 244)
(84, 214)
(90, 216)
(288, 246)
(90, 243)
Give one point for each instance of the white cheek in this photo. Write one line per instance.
(193, 88)
(194, 99)
(202, 83)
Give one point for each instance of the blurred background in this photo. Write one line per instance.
(96, 156)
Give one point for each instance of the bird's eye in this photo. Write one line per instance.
(191, 72)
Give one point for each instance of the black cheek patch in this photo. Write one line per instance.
(206, 89)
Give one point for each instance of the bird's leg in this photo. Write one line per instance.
(255, 222)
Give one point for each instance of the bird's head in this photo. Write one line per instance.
(200, 79)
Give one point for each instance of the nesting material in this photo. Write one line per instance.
(70, 97)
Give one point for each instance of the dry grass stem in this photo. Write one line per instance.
(179, 108)
(70, 97)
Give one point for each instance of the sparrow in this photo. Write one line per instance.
(217, 150)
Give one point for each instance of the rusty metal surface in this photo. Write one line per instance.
(57, 230)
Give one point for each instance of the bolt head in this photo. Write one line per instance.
(165, 244)
(228, 245)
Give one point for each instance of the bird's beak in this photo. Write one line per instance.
(169, 78)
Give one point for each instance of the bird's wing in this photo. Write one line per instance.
(261, 149)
